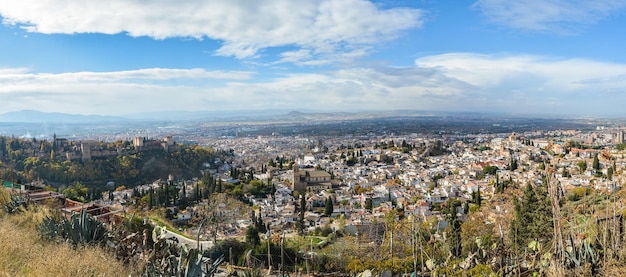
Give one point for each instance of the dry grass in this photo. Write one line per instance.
(4, 196)
(25, 254)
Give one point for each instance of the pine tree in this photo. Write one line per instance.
(533, 217)
(596, 163)
(252, 236)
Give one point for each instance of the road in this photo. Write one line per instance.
(191, 243)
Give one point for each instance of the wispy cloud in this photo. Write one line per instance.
(6, 71)
(140, 75)
(243, 28)
(452, 82)
(532, 83)
(558, 16)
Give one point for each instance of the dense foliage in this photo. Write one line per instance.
(28, 160)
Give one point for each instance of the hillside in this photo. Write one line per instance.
(25, 254)
(29, 160)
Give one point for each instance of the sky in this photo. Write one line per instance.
(119, 57)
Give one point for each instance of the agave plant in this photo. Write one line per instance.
(578, 255)
(50, 228)
(78, 229)
(170, 258)
(15, 204)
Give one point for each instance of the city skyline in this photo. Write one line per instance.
(125, 57)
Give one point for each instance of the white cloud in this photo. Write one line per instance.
(243, 27)
(141, 75)
(108, 92)
(452, 82)
(561, 16)
(295, 56)
(6, 71)
(526, 83)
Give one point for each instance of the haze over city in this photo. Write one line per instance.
(124, 57)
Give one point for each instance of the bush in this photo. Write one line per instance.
(224, 248)
(577, 193)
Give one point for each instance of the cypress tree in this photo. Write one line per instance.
(328, 210)
(454, 226)
(302, 210)
(151, 197)
(479, 198)
(369, 204)
(198, 193)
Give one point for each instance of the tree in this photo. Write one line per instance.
(300, 222)
(151, 200)
(477, 198)
(252, 236)
(533, 217)
(328, 210)
(513, 164)
(369, 204)
(490, 169)
(260, 226)
(565, 173)
(454, 227)
(198, 193)
(596, 162)
(183, 197)
(501, 186)
(582, 166)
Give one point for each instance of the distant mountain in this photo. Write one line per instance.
(266, 115)
(31, 116)
(231, 115)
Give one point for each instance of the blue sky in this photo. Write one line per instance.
(116, 57)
